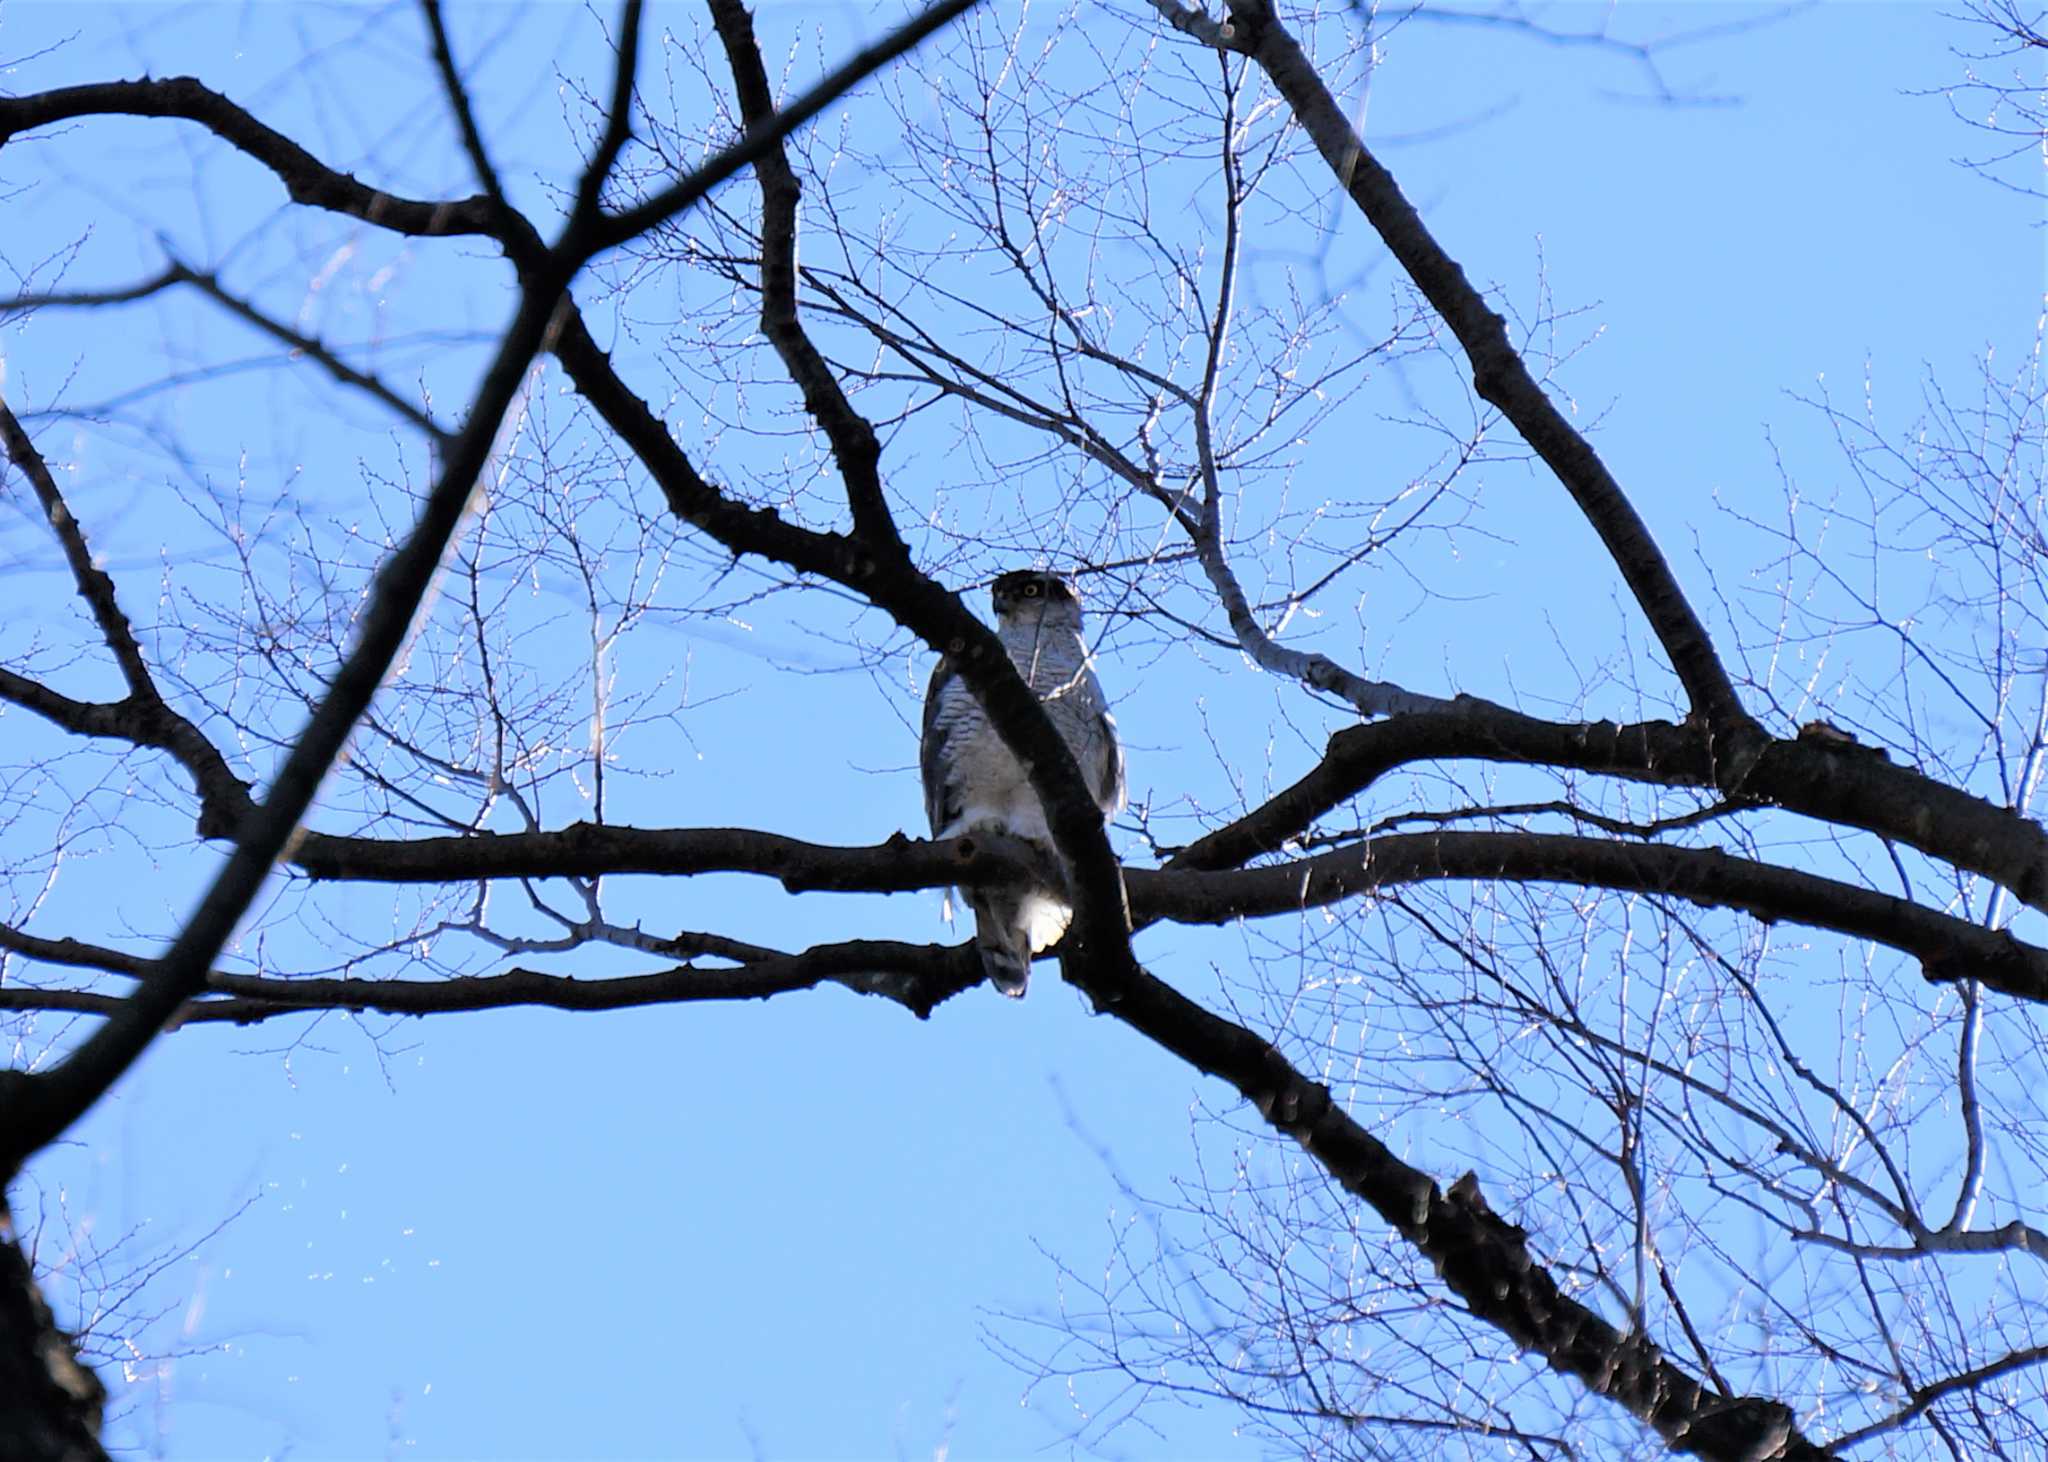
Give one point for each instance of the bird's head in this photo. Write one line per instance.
(1033, 596)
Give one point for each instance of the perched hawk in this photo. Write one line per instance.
(973, 784)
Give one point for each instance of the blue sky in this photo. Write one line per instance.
(789, 1229)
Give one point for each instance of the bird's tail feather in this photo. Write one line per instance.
(1003, 940)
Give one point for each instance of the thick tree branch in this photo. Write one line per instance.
(54, 1403)
(1851, 785)
(1497, 371)
(1858, 786)
(919, 977)
(854, 445)
(73, 953)
(590, 850)
(313, 183)
(142, 716)
(306, 179)
(1948, 948)
(94, 585)
(1481, 1257)
(224, 800)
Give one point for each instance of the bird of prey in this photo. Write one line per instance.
(972, 782)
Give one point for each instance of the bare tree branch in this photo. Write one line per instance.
(854, 445)
(1926, 1396)
(632, 222)
(1834, 782)
(305, 178)
(1948, 948)
(1497, 370)
(918, 977)
(458, 102)
(1481, 1257)
(176, 273)
(35, 1109)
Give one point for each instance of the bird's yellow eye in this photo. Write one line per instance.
(1032, 591)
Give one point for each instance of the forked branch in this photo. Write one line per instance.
(1497, 370)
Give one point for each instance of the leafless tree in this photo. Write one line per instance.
(1594, 925)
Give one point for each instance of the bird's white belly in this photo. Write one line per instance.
(999, 795)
